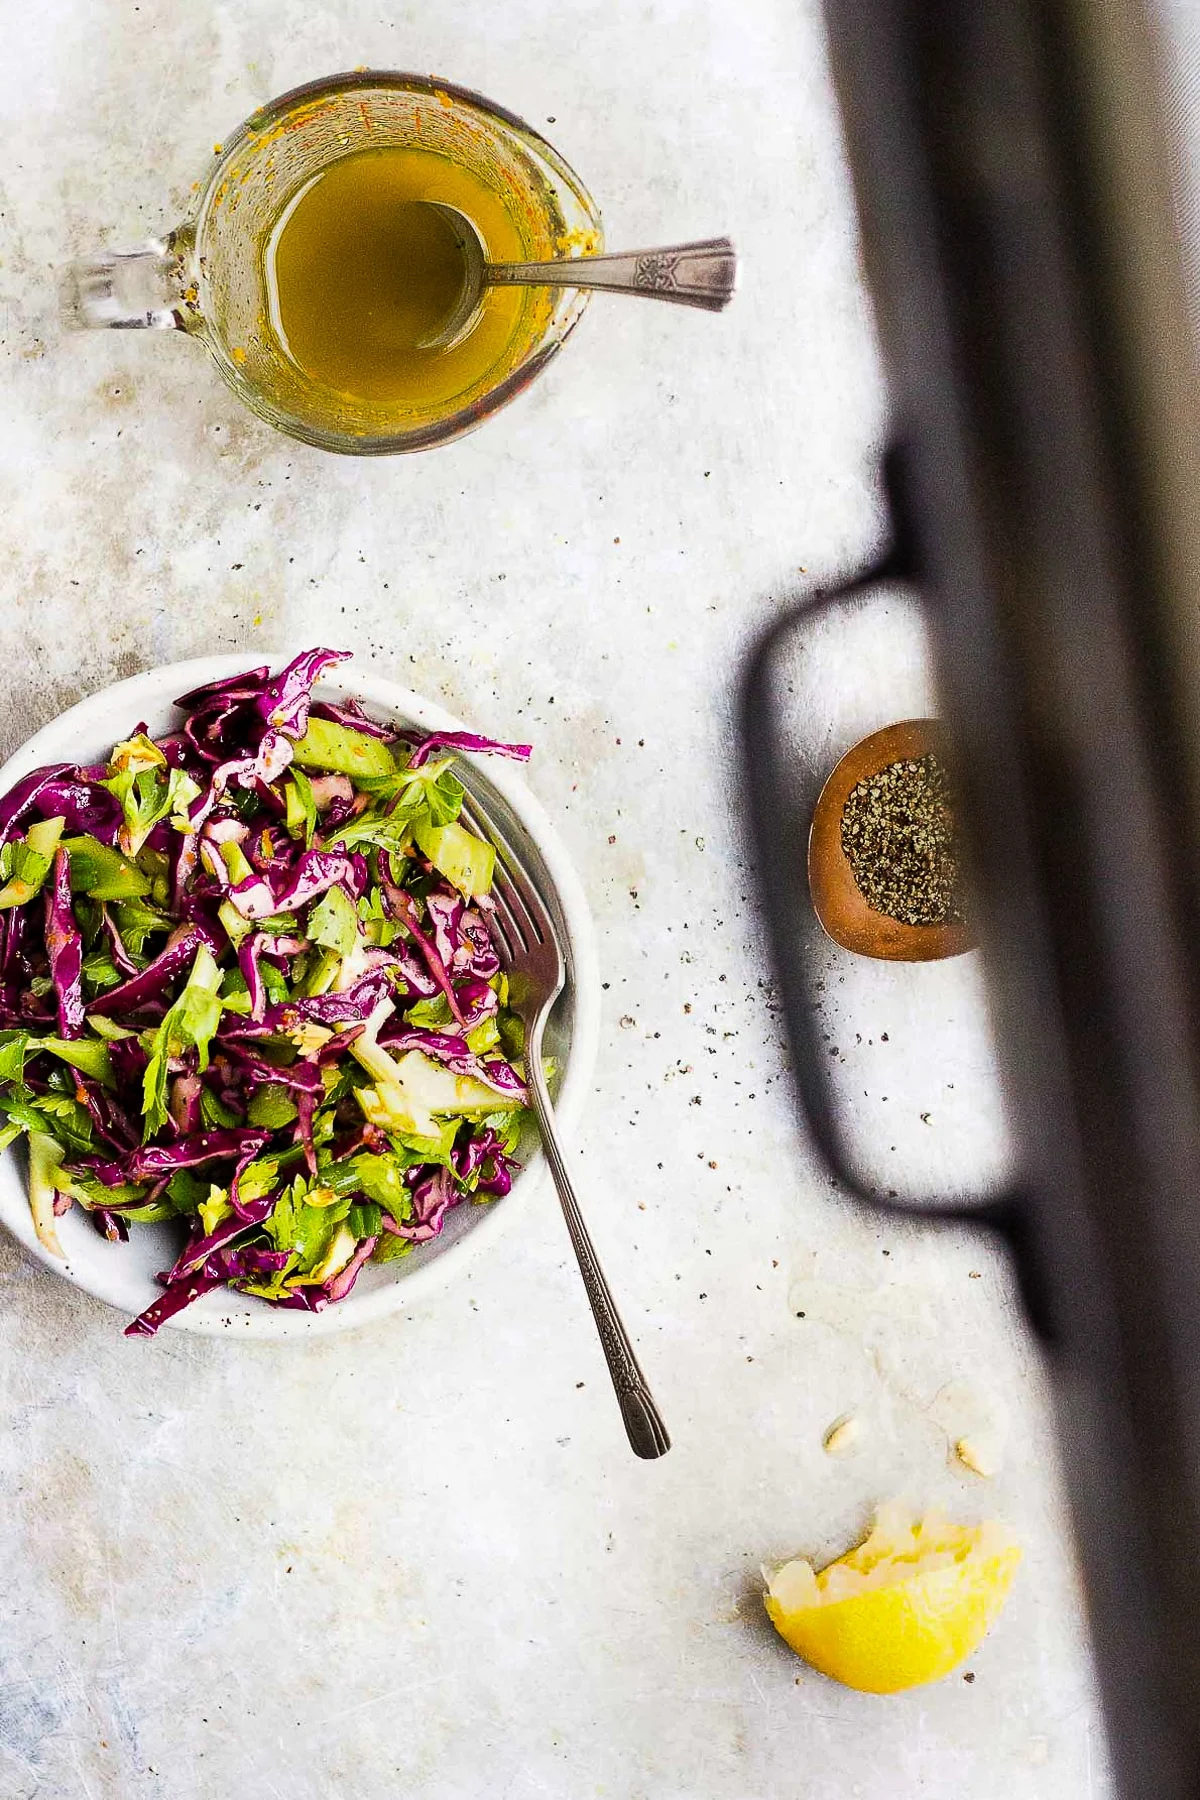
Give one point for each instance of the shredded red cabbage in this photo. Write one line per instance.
(466, 740)
(19, 798)
(64, 945)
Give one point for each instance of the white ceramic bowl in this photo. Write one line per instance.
(123, 1274)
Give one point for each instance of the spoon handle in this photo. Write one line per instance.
(703, 274)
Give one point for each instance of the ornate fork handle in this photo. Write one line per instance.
(643, 1423)
(702, 274)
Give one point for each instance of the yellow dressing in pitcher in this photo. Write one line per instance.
(359, 273)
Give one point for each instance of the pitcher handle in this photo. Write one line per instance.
(128, 290)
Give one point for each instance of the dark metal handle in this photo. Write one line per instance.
(780, 842)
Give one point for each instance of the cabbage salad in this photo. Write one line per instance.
(247, 984)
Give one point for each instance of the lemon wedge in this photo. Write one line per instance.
(903, 1608)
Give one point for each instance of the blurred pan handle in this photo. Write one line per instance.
(779, 840)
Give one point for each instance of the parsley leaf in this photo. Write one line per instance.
(146, 790)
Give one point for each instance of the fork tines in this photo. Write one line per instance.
(520, 919)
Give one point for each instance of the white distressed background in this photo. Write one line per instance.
(420, 1561)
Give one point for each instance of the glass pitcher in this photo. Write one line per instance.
(208, 277)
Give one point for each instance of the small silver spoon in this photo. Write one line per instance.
(703, 274)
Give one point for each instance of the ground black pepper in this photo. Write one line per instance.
(899, 836)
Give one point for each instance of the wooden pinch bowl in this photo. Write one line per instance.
(839, 904)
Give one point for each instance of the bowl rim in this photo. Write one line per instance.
(154, 690)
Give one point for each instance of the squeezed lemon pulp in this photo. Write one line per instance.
(904, 1607)
(360, 272)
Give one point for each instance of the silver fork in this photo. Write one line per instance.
(531, 955)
